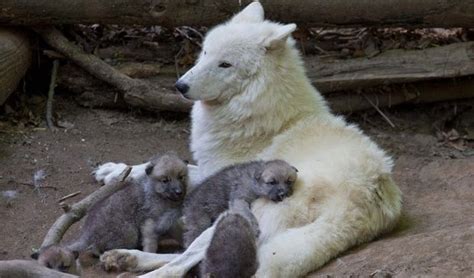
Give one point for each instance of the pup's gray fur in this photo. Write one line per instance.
(240, 183)
(132, 217)
(233, 249)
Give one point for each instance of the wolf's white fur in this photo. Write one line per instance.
(264, 107)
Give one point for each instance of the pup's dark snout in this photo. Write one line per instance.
(282, 194)
(181, 87)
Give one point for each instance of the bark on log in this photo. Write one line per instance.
(15, 58)
(29, 269)
(428, 13)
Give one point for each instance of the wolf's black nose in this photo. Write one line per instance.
(182, 87)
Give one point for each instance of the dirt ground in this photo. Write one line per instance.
(435, 237)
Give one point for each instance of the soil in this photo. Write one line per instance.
(435, 236)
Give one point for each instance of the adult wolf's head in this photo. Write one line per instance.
(234, 54)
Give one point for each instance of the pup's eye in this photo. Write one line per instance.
(225, 65)
(272, 182)
(182, 177)
(289, 182)
(165, 180)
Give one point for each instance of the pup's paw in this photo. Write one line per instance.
(118, 260)
(105, 173)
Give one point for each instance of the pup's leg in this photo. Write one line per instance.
(179, 266)
(134, 260)
(150, 238)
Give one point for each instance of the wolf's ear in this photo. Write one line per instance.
(253, 13)
(279, 36)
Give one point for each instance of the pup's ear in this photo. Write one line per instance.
(149, 168)
(253, 13)
(279, 36)
(35, 255)
(294, 168)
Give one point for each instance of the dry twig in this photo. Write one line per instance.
(49, 103)
(380, 112)
(69, 196)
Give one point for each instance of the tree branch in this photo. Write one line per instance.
(133, 89)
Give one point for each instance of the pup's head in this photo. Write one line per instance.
(167, 175)
(233, 55)
(276, 180)
(57, 258)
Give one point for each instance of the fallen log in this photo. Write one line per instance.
(91, 92)
(390, 67)
(328, 75)
(331, 74)
(419, 92)
(427, 13)
(15, 58)
(29, 269)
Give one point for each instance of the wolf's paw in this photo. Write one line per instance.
(105, 173)
(118, 260)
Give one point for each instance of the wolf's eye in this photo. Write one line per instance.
(225, 65)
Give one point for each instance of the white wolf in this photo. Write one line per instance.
(254, 101)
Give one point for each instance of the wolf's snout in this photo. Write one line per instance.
(181, 87)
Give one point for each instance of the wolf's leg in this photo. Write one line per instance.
(105, 173)
(342, 224)
(108, 171)
(134, 260)
(179, 266)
